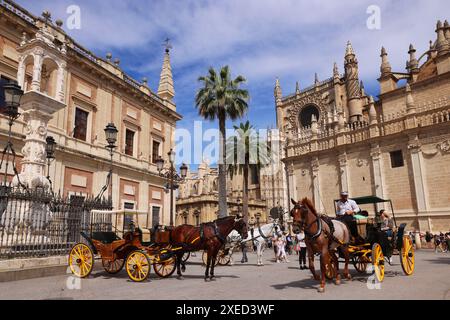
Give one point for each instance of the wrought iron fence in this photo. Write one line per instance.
(37, 223)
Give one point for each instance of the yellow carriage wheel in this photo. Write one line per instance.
(113, 267)
(407, 256)
(360, 263)
(81, 260)
(205, 258)
(166, 268)
(378, 262)
(222, 258)
(138, 266)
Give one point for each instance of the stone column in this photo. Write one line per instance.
(37, 69)
(38, 110)
(316, 184)
(292, 183)
(377, 167)
(418, 174)
(343, 169)
(60, 80)
(21, 72)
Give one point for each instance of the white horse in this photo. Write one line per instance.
(258, 235)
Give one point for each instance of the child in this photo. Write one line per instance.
(281, 245)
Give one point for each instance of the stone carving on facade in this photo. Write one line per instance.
(315, 100)
(342, 159)
(444, 146)
(361, 162)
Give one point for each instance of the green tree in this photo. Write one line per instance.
(245, 150)
(221, 98)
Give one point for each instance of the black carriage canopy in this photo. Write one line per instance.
(367, 200)
(372, 200)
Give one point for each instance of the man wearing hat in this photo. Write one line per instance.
(346, 209)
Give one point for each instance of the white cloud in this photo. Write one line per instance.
(260, 39)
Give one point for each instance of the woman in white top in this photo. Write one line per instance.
(302, 252)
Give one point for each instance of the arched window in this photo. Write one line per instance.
(306, 114)
(48, 77)
(197, 217)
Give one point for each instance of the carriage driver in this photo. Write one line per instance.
(346, 209)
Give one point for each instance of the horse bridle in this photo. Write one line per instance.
(318, 220)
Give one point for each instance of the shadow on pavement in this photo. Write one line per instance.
(440, 260)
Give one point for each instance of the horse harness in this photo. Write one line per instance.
(216, 231)
(319, 222)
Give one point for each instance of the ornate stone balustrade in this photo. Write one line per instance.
(426, 114)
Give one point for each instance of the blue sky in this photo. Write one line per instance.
(260, 39)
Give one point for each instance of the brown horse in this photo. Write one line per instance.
(208, 236)
(318, 239)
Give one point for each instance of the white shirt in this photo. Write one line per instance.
(346, 206)
(301, 240)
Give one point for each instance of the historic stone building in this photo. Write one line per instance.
(197, 200)
(85, 93)
(398, 147)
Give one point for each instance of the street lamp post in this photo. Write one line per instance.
(172, 177)
(50, 152)
(111, 137)
(12, 95)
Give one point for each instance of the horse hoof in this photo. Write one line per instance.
(338, 282)
(321, 290)
(348, 277)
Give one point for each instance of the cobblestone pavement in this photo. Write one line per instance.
(283, 281)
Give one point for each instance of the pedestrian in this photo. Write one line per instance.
(289, 244)
(281, 245)
(302, 250)
(428, 238)
(437, 243)
(274, 241)
(447, 239)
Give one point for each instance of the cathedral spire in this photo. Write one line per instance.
(349, 50)
(316, 78)
(297, 88)
(352, 84)
(442, 44)
(166, 89)
(335, 71)
(447, 30)
(413, 64)
(277, 91)
(385, 68)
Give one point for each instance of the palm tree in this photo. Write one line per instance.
(221, 98)
(244, 151)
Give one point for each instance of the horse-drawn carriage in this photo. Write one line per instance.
(379, 245)
(330, 239)
(131, 246)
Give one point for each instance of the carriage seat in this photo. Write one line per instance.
(146, 235)
(105, 237)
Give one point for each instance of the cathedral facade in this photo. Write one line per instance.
(337, 138)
